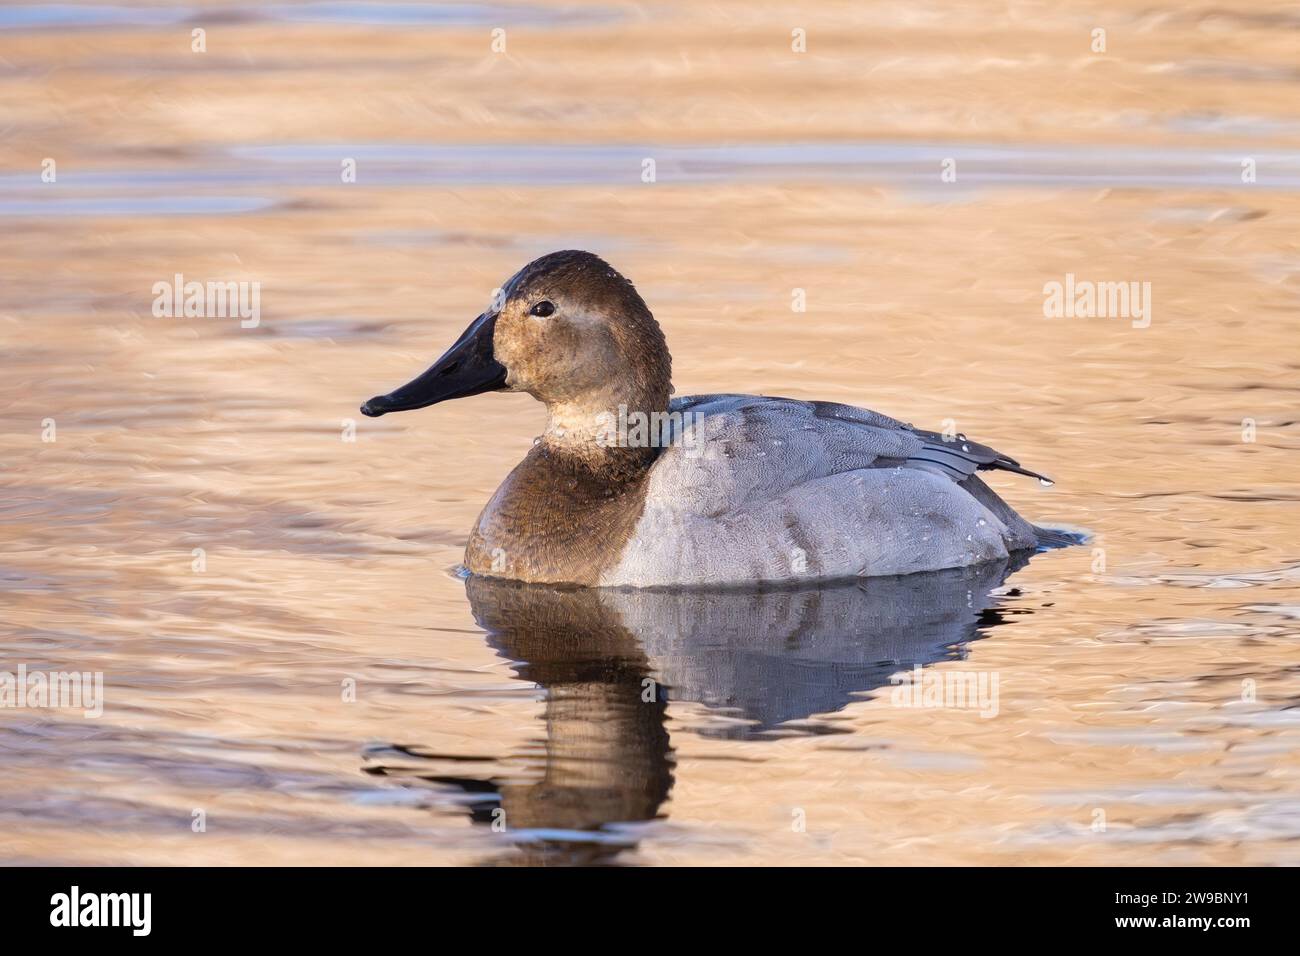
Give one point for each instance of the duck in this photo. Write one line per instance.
(631, 487)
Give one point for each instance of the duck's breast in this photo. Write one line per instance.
(553, 524)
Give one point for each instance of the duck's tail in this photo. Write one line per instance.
(1049, 538)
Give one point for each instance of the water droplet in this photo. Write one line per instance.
(1046, 482)
(982, 522)
(965, 447)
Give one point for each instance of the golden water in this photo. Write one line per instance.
(1148, 681)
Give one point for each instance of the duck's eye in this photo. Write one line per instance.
(542, 309)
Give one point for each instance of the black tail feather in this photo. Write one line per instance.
(1010, 464)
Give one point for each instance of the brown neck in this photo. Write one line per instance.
(616, 432)
(614, 467)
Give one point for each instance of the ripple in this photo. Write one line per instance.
(151, 205)
(66, 16)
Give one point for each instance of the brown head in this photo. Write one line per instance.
(567, 329)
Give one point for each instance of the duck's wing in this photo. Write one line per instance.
(754, 447)
(774, 489)
(958, 457)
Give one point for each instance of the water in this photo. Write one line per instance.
(66, 16)
(259, 169)
(288, 655)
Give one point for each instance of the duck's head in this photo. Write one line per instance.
(568, 330)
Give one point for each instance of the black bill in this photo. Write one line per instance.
(468, 368)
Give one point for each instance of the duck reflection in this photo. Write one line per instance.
(609, 661)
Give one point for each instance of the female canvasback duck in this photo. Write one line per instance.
(627, 488)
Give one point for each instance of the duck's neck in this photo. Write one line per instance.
(611, 433)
